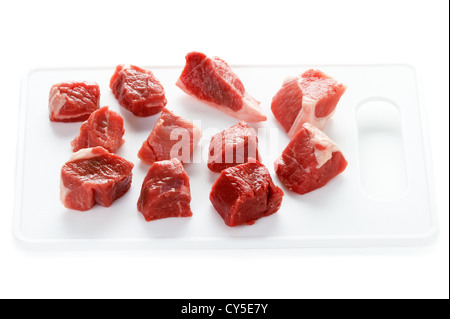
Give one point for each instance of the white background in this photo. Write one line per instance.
(105, 33)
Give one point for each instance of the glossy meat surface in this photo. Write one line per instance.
(244, 193)
(310, 161)
(165, 191)
(287, 103)
(309, 98)
(103, 128)
(171, 137)
(73, 101)
(232, 147)
(94, 176)
(212, 81)
(138, 90)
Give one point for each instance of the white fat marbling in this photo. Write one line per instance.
(85, 153)
(319, 138)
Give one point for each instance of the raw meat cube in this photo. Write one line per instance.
(171, 137)
(232, 147)
(245, 193)
(165, 191)
(212, 81)
(94, 176)
(138, 90)
(309, 98)
(103, 128)
(73, 101)
(310, 161)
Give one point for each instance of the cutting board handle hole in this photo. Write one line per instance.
(381, 149)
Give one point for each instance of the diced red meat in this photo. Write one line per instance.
(245, 193)
(138, 90)
(212, 81)
(94, 176)
(232, 147)
(165, 192)
(310, 161)
(103, 128)
(73, 101)
(310, 98)
(171, 137)
(287, 104)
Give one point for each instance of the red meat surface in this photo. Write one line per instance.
(310, 98)
(245, 193)
(310, 161)
(212, 81)
(94, 176)
(232, 147)
(287, 104)
(171, 137)
(73, 101)
(138, 90)
(165, 191)
(103, 128)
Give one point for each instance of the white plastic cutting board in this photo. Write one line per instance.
(380, 200)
